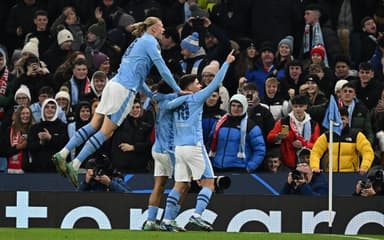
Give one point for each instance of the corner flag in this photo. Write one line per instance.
(332, 115)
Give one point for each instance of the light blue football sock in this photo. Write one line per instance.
(152, 213)
(80, 137)
(172, 200)
(93, 144)
(202, 200)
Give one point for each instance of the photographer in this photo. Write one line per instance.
(302, 181)
(101, 177)
(373, 186)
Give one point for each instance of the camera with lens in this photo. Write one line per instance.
(379, 176)
(366, 184)
(222, 183)
(101, 166)
(296, 175)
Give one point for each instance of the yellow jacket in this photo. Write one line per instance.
(348, 149)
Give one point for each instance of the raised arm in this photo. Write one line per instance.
(157, 59)
(208, 90)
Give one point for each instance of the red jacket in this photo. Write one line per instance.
(288, 152)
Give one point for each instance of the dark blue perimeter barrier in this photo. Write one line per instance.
(248, 184)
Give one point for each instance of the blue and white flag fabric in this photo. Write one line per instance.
(333, 114)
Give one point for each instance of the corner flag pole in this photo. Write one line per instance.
(330, 176)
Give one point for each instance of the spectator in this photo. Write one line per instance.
(65, 70)
(302, 181)
(368, 88)
(264, 67)
(237, 144)
(36, 108)
(46, 138)
(317, 34)
(368, 39)
(247, 59)
(294, 77)
(295, 131)
(274, 100)
(100, 62)
(98, 82)
(64, 101)
(6, 81)
(57, 54)
(317, 100)
(359, 114)
(338, 89)
(101, 177)
(95, 38)
(343, 69)
(82, 117)
(211, 114)
(79, 84)
(193, 54)
(109, 9)
(373, 186)
(284, 53)
(22, 98)
(14, 140)
(257, 111)
(131, 146)
(347, 150)
(69, 20)
(41, 31)
(34, 77)
(207, 76)
(273, 163)
(376, 58)
(326, 81)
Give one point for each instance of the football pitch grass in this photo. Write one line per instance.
(96, 234)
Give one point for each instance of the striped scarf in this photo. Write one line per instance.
(243, 134)
(317, 39)
(3, 87)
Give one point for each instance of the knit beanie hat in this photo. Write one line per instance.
(126, 20)
(339, 84)
(212, 67)
(318, 49)
(63, 36)
(267, 46)
(242, 100)
(288, 40)
(32, 46)
(23, 89)
(197, 12)
(312, 78)
(98, 29)
(191, 43)
(99, 58)
(63, 94)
